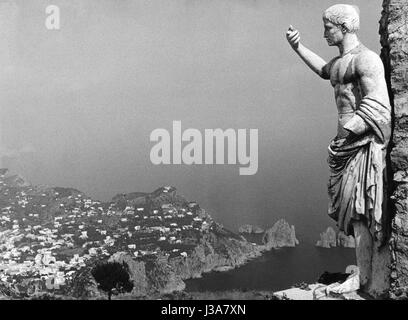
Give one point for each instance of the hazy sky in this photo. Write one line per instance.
(78, 104)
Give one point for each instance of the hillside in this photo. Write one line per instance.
(50, 238)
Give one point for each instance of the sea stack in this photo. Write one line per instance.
(280, 235)
(328, 239)
(249, 229)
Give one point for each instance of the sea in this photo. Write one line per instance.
(277, 269)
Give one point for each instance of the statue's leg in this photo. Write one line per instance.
(364, 249)
(380, 276)
(381, 262)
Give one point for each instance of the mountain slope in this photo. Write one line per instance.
(50, 237)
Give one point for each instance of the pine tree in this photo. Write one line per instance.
(112, 278)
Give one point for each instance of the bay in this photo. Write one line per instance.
(277, 269)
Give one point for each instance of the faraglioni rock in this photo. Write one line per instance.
(345, 241)
(280, 235)
(248, 228)
(328, 239)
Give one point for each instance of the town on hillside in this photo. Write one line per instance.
(48, 234)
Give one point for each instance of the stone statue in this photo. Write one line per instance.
(357, 192)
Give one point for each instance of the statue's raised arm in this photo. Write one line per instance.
(313, 61)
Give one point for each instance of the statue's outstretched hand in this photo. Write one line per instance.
(293, 37)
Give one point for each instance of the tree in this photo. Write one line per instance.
(112, 277)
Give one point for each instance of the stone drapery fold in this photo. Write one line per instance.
(357, 170)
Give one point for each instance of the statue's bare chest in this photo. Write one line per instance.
(347, 91)
(342, 71)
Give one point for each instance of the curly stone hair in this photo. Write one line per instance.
(344, 15)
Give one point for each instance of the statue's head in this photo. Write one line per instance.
(339, 20)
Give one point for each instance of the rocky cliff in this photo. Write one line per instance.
(215, 253)
(280, 235)
(394, 32)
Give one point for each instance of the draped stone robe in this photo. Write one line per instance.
(357, 163)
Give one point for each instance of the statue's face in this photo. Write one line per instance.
(333, 34)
